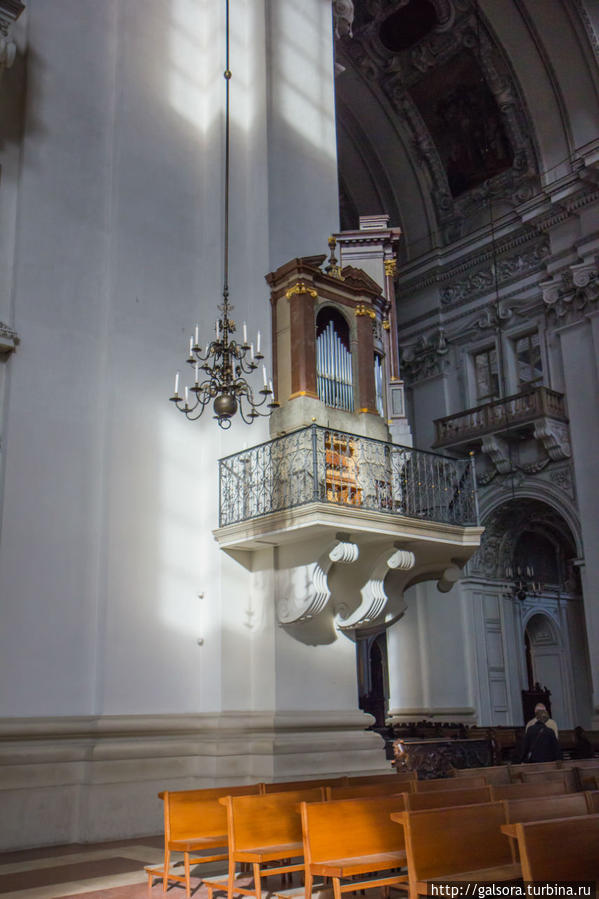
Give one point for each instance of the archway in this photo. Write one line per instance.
(528, 560)
(373, 676)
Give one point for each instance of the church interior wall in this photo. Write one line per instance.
(135, 654)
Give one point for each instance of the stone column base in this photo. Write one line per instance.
(88, 779)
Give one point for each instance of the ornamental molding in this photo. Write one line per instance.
(505, 524)
(569, 295)
(435, 271)
(300, 288)
(483, 281)
(459, 29)
(427, 358)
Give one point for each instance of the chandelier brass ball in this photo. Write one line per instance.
(225, 405)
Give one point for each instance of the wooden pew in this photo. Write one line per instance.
(561, 849)
(588, 777)
(457, 844)
(382, 778)
(534, 768)
(261, 830)
(567, 777)
(295, 785)
(592, 797)
(566, 805)
(493, 774)
(442, 798)
(194, 822)
(350, 838)
(527, 790)
(447, 783)
(365, 791)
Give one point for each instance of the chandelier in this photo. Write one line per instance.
(218, 369)
(523, 583)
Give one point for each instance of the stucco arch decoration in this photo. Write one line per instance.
(503, 527)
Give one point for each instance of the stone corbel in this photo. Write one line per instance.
(555, 437)
(374, 597)
(498, 451)
(304, 591)
(10, 10)
(449, 578)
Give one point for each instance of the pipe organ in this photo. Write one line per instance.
(334, 376)
(331, 340)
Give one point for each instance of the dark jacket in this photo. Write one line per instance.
(540, 744)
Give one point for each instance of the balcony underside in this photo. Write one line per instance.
(324, 520)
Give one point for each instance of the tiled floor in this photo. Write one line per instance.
(97, 871)
(93, 871)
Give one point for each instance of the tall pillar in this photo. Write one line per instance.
(302, 146)
(580, 351)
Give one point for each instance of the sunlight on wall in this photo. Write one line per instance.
(189, 510)
(303, 74)
(197, 61)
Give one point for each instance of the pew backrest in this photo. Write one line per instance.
(452, 840)
(527, 790)
(448, 783)
(567, 777)
(442, 798)
(295, 785)
(493, 774)
(271, 819)
(350, 828)
(190, 814)
(560, 849)
(381, 778)
(539, 808)
(364, 791)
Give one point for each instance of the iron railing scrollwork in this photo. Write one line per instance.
(317, 464)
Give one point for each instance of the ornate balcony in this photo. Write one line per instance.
(319, 465)
(355, 521)
(522, 412)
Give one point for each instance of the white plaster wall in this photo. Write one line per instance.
(110, 495)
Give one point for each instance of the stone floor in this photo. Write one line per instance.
(94, 871)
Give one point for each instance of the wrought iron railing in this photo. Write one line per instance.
(511, 411)
(317, 464)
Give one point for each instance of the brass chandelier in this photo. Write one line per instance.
(220, 366)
